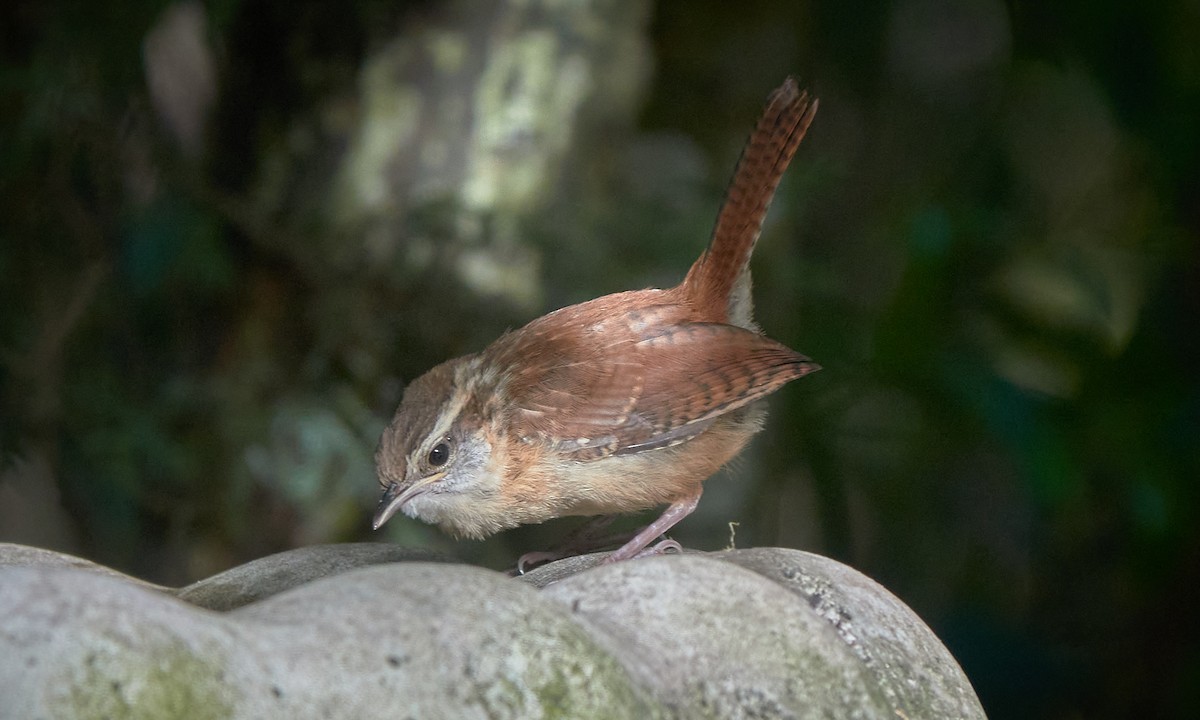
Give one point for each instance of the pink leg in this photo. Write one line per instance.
(675, 512)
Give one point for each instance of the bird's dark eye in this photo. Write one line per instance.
(439, 454)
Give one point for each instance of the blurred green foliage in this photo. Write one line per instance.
(989, 240)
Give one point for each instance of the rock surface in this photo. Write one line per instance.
(374, 631)
(273, 574)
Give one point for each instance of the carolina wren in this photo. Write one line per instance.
(618, 404)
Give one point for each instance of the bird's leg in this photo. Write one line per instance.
(636, 547)
(584, 538)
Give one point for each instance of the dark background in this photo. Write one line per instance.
(230, 233)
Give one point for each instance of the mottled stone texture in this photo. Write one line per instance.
(366, 631)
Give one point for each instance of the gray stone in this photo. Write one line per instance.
(917, 674)
(721, 642)
(13, 555)
(347, 631)
(273, 574)
(402, 640)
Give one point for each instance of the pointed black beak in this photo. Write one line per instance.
(388, 505)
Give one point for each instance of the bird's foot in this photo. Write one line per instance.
(662, 547)
(530, 560)
(587, 538)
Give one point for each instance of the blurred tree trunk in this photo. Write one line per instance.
(459, 129)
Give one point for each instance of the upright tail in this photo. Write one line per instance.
(724, 266)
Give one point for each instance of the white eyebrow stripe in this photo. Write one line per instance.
(450, 412)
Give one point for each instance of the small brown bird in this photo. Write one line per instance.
(615, 405)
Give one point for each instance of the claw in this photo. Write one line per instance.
(535, 558)
(662, 548)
